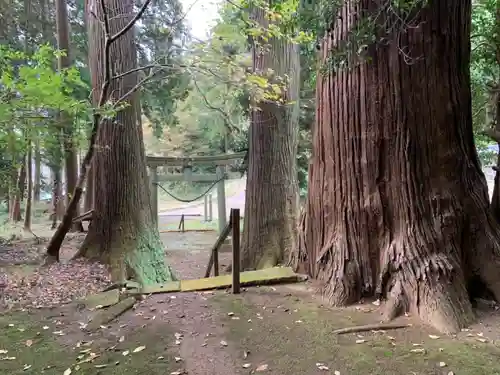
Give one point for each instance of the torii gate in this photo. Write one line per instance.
(186, 163)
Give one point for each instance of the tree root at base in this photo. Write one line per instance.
(105, 316)
(371, 327)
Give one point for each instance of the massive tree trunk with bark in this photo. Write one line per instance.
(123, 232)
(70, 152)
(398, 205)
(269, 230)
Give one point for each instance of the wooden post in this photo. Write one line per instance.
(153, 180)
(181, 224)
(210, 207)
(221, 198)
(235, 226)
(205, 207)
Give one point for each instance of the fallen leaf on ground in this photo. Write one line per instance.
(139, 349)
(442, 364)
(178, 359)
(26, 367)
(53, 285)
(223, 343)
(262, 368)
(418, 350)
(246, 365)
(322, 366)
(126, 352)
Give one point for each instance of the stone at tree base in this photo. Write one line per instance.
(105, 316)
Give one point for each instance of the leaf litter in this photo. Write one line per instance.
(54, 285)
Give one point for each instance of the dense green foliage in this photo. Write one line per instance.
(197, 94)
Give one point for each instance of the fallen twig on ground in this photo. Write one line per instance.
(371, 327)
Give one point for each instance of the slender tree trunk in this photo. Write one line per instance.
(29, 199)
(495, 118)
(70, 151)
(38, 174)
(123, 232)
(495, 199)
(269, 230)
(89, 192)
(398, 205)
(19, 193)
(57, 199)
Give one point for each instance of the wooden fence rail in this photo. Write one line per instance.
(214, 253)
(232, 227)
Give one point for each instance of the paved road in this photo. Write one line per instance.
(238, 201)
(235, 201)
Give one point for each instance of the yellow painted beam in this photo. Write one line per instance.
(170, 287)
(273, 275)
(260, 277)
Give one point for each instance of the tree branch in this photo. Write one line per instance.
(493, 134)
(63, 228)
(132, 21)
(230, 127)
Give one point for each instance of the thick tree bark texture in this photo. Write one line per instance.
(70, 151)
(123, 231)
(269, 230)
(398, 204)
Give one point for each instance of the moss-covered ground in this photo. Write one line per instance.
(293, 336)
(31, 346)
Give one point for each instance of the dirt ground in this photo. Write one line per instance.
(279, 330)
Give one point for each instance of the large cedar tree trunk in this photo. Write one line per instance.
(269, 230)
(398, 204)
(123, 231)
(70, 151)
